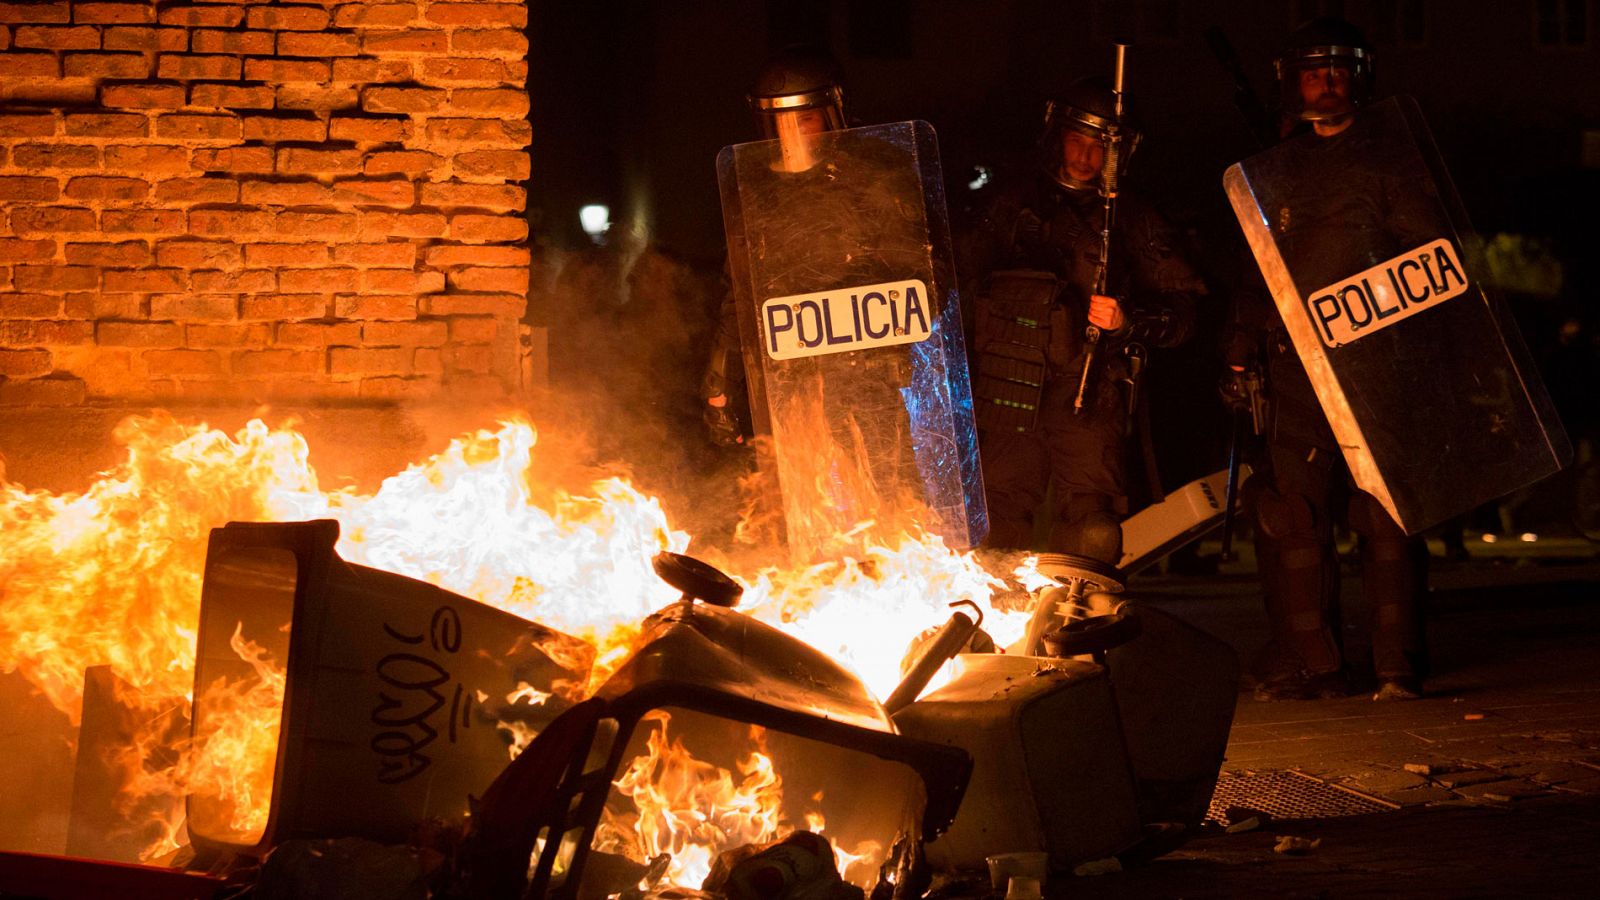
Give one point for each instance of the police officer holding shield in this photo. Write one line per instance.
(1350, 218)
(1061, 323)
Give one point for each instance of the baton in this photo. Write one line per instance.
(1231, 496)
(1109, 172)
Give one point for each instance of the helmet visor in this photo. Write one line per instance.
(1324, 84)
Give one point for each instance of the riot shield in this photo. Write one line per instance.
(1415, 362)
(850, 327)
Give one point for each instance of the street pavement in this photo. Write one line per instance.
(1489, 786)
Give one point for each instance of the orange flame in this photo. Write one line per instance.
(112, 575)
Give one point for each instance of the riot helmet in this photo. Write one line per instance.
(1325, 72)
(1083, 137)
(798, 92)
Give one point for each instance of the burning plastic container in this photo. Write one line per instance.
(335, 700)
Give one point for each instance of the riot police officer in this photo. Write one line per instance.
(1042, 420)
(1302, 487)
(798, 93)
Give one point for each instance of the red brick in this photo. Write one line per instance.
(95, 305)
(106, 65)
(52, 390)
(375, 306)
(51, 219)
(107, 125)
(324, 281)
(279, 71)
(372, 70)
(198, 190)
(369, 130)
(254, 43)
(453, 71)
(388, 388)
(508, 15)
(27, 13)
(318, 44)
(186, 67)
(510, 164)
(428, 361)
(140, 221)
(401, 281)
(229, 221)
(486, 229)
(107, 187)
(495, 42)
(375, 15)
(14, 250)
(288, 18)
(30, 306)
(187, 254)
(479, 131)
(146, 40)
(317, 334)
(138, 334)
(114, 13)
(238, 160)
(446, 255)
(292, 255)
(283, 193)
(29, 65)
(83, 37)
(28, 187)
(512, 305)
(484, 196)
(255, 334)
(307, 160)
(208, 16)
(127, 254)
(56, 278)
(316, 224)
(394, 193)
(27, 124)
(34, 333)
(317, 97)
(141, 96)
(144, 281)
(496, 101)
(402, 100)
(282, 128)
(191, 306)
(474, 329)
(34, 157)
(396, 224)
(232, 96)
(468, 358)
(487, 279)
(369, 360)
(183, 362)
(24, 363)
(283, 306)
(195, 127)
(383, 43)
(238, 281)
(420, 333)
(397, 254)
(278, 362)
(147, 159)
(401, 162)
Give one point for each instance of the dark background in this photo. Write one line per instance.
(632, 99)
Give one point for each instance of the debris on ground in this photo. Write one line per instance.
(1108, 866)
(1295, 845)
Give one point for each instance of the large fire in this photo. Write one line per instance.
(112, 575)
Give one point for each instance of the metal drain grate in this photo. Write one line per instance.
(1289, 795)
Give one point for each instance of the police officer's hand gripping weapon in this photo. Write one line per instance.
(1109, 171)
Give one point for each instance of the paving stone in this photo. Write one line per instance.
(1514, 789)
(1581, 786)
(1385, 781)
(1457, 780)
(1420, 796)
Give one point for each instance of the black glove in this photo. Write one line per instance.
(722, 425)
(1235, 389)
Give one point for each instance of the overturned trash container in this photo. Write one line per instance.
(336, 700)
(717, 733)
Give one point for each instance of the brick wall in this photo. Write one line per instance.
(253, 201)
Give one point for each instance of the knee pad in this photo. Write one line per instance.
(1280, 515)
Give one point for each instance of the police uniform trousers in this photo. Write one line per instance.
(1083, 454)
(1308, 488)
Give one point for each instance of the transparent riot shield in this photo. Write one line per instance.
(850, 326)
(1416, 363)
